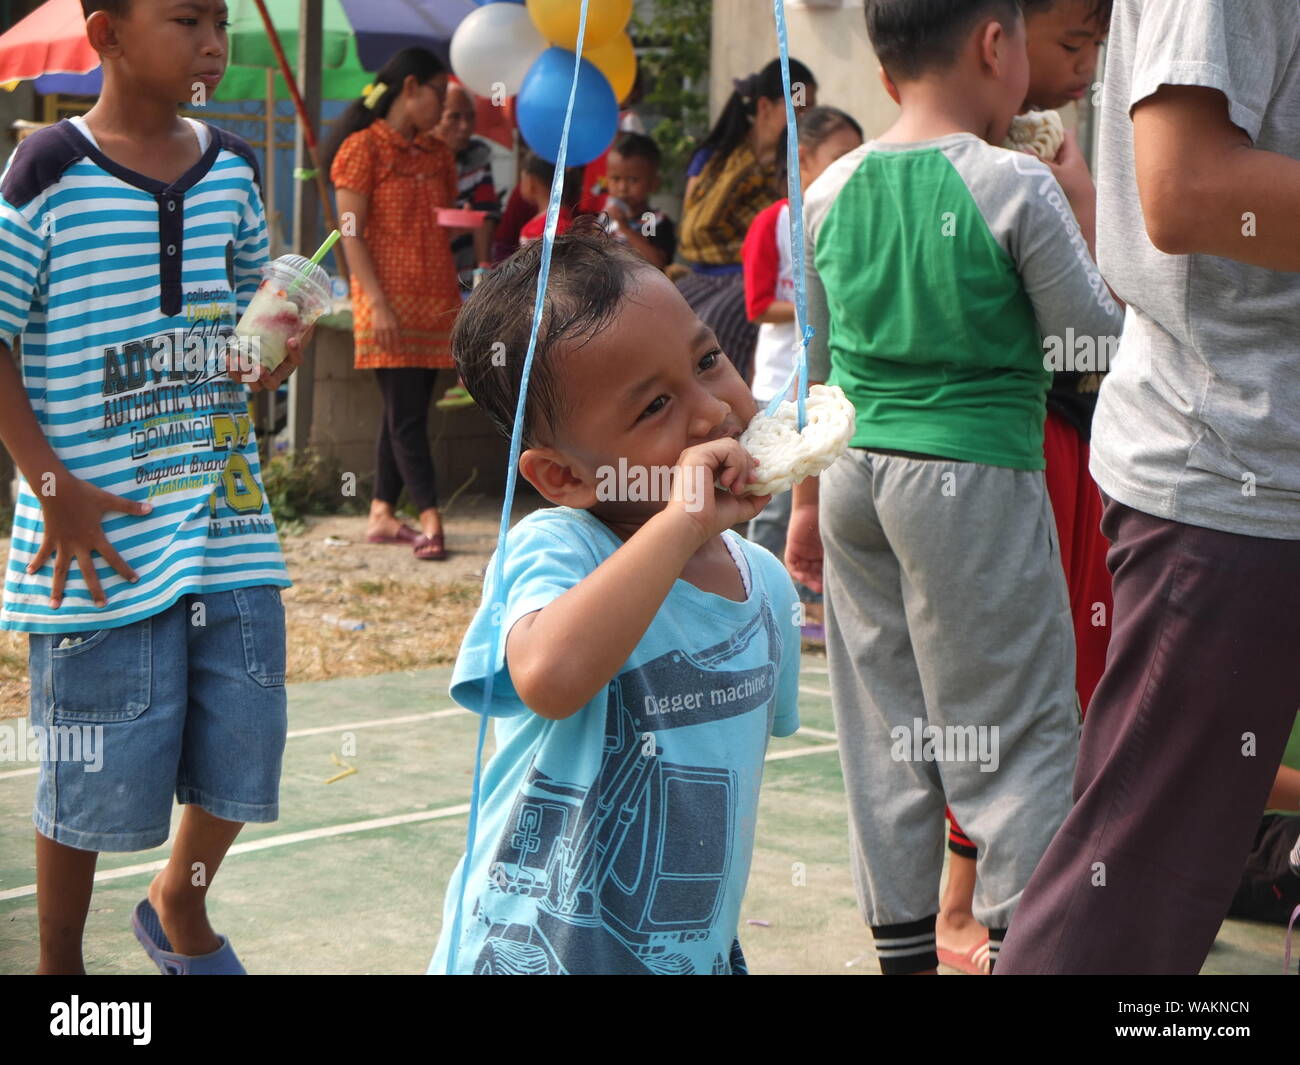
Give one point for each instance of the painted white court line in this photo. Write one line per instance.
(8, 774)
(813, 691)
(403, 720)
(328, 831)
(816, 733)
(816, 669)
(321, 730)
(269, 842)
(781, 756)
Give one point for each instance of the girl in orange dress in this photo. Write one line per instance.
(391, 175)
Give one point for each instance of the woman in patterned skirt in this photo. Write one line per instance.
(731, 178)
(391, 176)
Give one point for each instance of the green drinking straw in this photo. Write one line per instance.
(321, 252)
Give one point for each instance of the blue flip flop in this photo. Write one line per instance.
(149, 931)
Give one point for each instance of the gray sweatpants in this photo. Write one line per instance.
(951, 655)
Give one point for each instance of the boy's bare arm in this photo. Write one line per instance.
(1198, 175)
(1072, 174)
(650, 251)
(803, 542)
(483, 237)
(561, 656)
(777, 311)
(72, 508)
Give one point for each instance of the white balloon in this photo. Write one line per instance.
(493, 48)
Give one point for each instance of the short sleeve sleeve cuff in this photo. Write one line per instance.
(352, 167)
(540, 566)
(21, 257)
(1227, 45)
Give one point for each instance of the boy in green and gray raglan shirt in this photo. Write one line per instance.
(938, 264)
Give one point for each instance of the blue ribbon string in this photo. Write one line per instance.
(497, 609)
(800, 370)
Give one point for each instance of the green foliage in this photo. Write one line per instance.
(304, 482)
(673, 54)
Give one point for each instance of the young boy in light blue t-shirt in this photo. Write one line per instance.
(647, 652)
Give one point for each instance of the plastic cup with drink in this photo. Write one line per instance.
(294, 292)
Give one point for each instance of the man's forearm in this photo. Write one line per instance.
(1205, 190)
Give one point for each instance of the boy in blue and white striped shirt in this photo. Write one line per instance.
(127, 239)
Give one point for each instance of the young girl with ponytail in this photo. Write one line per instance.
(391, 176)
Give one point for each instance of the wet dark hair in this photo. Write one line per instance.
(420, 62)
(590, 276)
(1098, 10)
(632, 145)
(116, 8)
(913, 36)
(738, 113)
(816, 125)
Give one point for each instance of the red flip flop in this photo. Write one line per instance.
(430, 548)
(974, 962)
(406, 535)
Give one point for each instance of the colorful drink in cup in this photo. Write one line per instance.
(294, 292)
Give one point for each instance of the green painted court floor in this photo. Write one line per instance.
(351, 878)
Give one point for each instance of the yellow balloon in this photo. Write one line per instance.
(557, 21)
(616, 59)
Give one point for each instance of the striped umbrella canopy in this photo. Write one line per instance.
(50, 47)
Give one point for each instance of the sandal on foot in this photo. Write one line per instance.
(454, 397)
(974, 962)
(149, 931)
(405, 535)
(430, 548)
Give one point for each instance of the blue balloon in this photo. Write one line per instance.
(543, 97)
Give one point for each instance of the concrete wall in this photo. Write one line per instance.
(346, 416)
(828, 36)
(830, 40)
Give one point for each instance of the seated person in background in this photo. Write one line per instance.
(631, 177)
(535, 178)
(475, 189)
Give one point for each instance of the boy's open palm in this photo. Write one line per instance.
(723, 463)
(73, 529)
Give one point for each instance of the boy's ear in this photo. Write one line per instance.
(553, 474)
(994, 42)
(102, 34)
(890, 88)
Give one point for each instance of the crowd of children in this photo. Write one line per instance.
(636, 654)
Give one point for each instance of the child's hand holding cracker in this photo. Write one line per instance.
(708, 483)
(1071, 169)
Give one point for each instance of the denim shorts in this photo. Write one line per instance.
(189, 702)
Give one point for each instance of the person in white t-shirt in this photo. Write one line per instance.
(825, 134)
